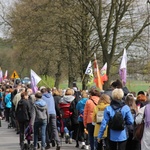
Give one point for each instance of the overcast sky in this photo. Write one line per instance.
(7, 3)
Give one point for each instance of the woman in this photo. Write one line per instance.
(23, 116)
(39, 118)
(8, 103)
(117, 138)
(131, 143)
(64, 105)
(141, 99)
(102, 104)
(144, 112)
(80, 108)
(88, 113)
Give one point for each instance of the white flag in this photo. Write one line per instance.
(123, 68)
(35, 79)
(89, 70)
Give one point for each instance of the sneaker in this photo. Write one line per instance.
(53, 143)
(18, 132)
(57, 147)
(38, 144)
(83, 146)
(48, 146)
(42, 148)
(70, 140)
(77, 145)
(86, 146)
(67, 138)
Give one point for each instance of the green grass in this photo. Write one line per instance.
(136, 86)
(133, 86)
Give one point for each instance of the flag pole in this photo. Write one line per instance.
(83, 78)
(45, 83)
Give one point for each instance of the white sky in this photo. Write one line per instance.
(7, 3)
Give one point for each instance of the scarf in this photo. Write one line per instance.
(147, 115)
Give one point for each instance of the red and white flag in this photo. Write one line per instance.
(104, 76)
(5, 75)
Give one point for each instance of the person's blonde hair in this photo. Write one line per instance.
(117, 94)
(104, 99)
(55, 92)
(84, 94)
(69, 92)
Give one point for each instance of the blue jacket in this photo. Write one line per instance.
(80, 107)
(109, 112)
(48, 98)
(8, 100)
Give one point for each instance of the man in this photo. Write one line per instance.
(48, 98)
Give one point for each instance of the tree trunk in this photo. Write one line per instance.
(58, 75)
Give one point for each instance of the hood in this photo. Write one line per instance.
(47, 95)
(40, 103)
(115, 104)
(67, 99)
(102, 106)
(83, 100)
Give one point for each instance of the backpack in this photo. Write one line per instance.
(22, 112)
(99, 116)
(117, 121)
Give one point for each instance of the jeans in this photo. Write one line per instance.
(22, 126)
(90, 129)
(40, 125)
(52, 129)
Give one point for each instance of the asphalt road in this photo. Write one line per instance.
(9, 140)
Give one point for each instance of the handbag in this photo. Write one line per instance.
(99, 116)
(138, 130)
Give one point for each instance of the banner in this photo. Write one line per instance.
(5, 75)
(123, 68)
(104, 76)
(97, 76)
(35, 79)
(89, 70)
(1, 75)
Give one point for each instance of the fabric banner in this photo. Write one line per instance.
(104, 76)
(1, 75)
(6, 74)
(35, 79)
(97, 76)
(123, 68)
(89, 70)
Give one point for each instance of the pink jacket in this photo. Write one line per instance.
(89, 108)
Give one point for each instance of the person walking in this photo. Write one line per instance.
(80, 108)
(52, 126)
(23, 116)
(39, 119)
(103, 102)
(143, 113)
(115, 114)
(132, 144)
(88, 113)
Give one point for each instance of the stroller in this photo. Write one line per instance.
(28, 137)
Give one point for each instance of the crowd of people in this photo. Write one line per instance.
(95, 120)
